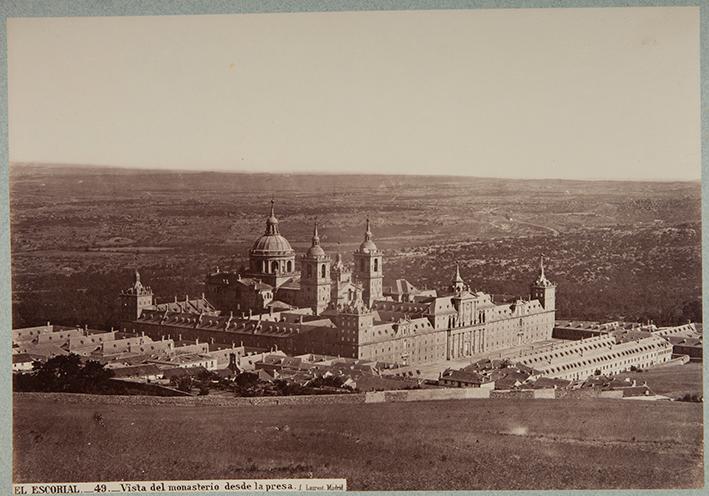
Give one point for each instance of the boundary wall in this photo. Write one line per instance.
(329, 399)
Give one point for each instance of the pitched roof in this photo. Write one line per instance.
(197, 305)
(462, 376)
(402, 287)
(21, 358)
(279, 305)
(183, 372)
(136, 370)
(264, 376)
(44, 350)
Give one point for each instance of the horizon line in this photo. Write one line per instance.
(346, 173)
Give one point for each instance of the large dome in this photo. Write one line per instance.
(271, 244)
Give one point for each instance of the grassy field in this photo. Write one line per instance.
(477, 444)
(674, 382)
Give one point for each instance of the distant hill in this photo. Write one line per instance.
(161, 180)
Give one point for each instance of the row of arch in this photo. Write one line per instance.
(276, 266)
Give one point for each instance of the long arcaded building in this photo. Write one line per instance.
(607, 354)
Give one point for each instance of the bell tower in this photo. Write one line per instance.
(368, 270)
(543, 289)
(315, 276)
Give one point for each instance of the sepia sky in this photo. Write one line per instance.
(568, 93)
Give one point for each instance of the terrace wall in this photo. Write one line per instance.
(329, 399)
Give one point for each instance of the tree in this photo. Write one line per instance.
(183, 383)
(65, 373)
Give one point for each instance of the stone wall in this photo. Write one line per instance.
(330, 399)
(206, 401)
(524, 394)
(427, 395)
(586, 393)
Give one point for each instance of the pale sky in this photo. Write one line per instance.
(569, 93)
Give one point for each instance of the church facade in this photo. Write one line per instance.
(328, 307)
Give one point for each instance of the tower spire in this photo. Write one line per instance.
(541, 278)
(316, 237)
(272, 221)
(368, 232)
(136, 276)
(458, 278)
(458, 282)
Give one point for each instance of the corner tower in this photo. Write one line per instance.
(135, 299)
(543, 289)
(315, 276)
(458, 285)
(368, 270)
(463, 301)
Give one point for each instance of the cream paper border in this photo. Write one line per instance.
(80, 8)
